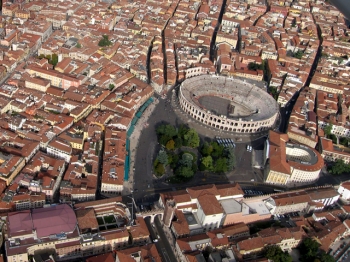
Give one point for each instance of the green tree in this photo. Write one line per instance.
(78, 45)
(273, 91)
(298, 54)
(328, 130)
(186, 160)
(344, 141)
(178, 142)
(308, 249)
(254, 66)
(207, 162)
(175, 161)
(162, 157)
(192, 138)
(54, 60)
(111, 86)
(207, 149)
(166, 130)
(155, 163)
(276, 254)
(326, 257)
(218, 150)
(104, 41)
(183, 129)
(185, 172)
(339, 167)
(221, 165)
(170, 145)
(160, 169)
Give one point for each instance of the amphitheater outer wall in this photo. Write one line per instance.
(255, 124)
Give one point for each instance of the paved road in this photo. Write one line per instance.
(163, 246)
(148, 147)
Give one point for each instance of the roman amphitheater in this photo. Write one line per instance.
(228, 104)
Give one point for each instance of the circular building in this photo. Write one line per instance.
(291, 164)
(228, 104)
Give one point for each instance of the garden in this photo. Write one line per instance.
(182, 152)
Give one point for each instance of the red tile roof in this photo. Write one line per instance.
(53, 220)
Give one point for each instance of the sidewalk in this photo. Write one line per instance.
(134, 141)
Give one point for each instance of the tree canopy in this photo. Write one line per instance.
(276, 254)
(217, 158)
(170, 145)
(298, 54)
(191, 138)
(309, 250)
(328, 130)
(339, 167)
(186, 159)
(221, 165)
(185, 171)
(207, 162)
(254, 66)
(104, 41)
(162, 157)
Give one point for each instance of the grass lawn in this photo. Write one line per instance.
(100, 221)
(109, 219)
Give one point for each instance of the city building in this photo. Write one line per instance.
(290, 164)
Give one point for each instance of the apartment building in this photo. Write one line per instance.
(10, 166)
(285, 238)
(331, 153)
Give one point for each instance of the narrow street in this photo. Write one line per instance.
(165, 249)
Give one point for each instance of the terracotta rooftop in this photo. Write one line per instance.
(86, 219)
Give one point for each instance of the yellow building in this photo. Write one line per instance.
(80, 112)
(37, 83)
(10, 166)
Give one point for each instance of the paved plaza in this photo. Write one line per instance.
(144, 147)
